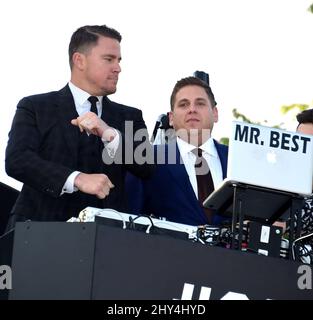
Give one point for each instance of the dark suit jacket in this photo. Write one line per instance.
(8, 197)
(42, 153)
(169, 193)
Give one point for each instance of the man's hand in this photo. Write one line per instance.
(97, 184)
(92, 124)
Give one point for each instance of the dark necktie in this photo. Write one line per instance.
(93, 100)
(204, 181)
(93, 108)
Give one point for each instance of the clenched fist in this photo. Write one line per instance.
(97, 184)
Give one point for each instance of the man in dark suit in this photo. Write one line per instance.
(177, 188)
(305, 126)
(70, 147)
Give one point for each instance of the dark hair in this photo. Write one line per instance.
(85, 37)
(192, 81)
(305, 116)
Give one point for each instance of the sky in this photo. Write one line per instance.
(258, 54)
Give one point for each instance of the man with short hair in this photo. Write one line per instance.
(188, 168)
(59, 140)
(305, 126)
(305, 122)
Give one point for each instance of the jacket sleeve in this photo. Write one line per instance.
(24, 159)
(136, 149)
(135, 194)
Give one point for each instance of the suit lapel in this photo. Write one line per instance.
(66, 112)
(180, 176)
(110, 115)
(179, 173)
(222, 153)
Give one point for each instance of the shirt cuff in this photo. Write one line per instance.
(69, 183)
(112, 146)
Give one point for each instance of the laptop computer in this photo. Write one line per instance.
(270, 160)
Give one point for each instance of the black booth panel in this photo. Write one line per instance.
(135, 265)
(58, 260)
(52, 260)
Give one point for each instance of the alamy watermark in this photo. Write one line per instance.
(305, 279)
(135, 147)
(5, 277)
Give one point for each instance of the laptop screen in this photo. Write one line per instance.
(271, 158)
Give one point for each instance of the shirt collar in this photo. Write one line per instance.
(184, 147)
(81, 96)
(208, 147)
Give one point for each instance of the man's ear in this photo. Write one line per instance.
(78, 60)
(215, 114)
(170, 117)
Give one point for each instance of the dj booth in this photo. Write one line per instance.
(61, 260)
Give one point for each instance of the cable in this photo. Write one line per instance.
(115, 212)
(173, 226)
(303, 246)
(7, 232)
(132, 222)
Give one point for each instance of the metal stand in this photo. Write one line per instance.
(240, 201)
(276, 203)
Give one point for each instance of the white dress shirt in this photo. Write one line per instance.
(82, 105)
(209, 153)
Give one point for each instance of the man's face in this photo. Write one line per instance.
(306, 128)
(100, 66)
(193, 110)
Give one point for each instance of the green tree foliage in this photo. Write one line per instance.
(295, 108)
(224, 140)
(242, 117)
(239, 116)
(299, 107)
(311, 8)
